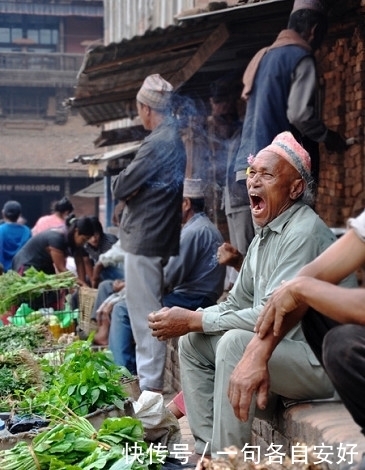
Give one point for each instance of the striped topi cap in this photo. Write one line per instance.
(155, 92)
(289, 148)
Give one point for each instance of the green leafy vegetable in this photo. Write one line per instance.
(73, 443)
(16, 289)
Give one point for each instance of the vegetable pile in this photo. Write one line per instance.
(30, 337)
(16, 289)
(74, 444)
(79, 377)
(18, 371)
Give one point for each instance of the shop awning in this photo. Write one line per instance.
(93, 190)
(115, 161)
(191, 54)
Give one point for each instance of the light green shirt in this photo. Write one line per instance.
(277, 252)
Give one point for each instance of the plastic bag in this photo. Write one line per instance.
(161, 426)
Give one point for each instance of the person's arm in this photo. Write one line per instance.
(251, 375)
(178, 267)
(338, 261)
(58, 259)
(142, 167)
(80, 267)
(302, 109)
(117, 213)
(241, 309)
(96, 274)
(88, 268)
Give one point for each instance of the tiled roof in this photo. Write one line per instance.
(190, 54)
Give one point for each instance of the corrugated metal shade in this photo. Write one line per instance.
(190, 55)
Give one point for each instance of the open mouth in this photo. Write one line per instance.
(257, 203)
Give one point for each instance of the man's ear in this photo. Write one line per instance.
(186, 203)
(297, 188)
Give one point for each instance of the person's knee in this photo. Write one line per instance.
(187, 344)
(232, 345)
(197, 349)
(120, 310)
(337, 345)
(106, 284)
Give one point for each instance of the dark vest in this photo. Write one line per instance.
(267, 104)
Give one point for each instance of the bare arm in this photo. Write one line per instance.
(80, 268)
(96, 273)
(315, 286)
(58, 258)
(88, 267)
(339, 260)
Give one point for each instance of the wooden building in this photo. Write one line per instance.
(206, 45)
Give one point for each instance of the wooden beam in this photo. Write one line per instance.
(214, 41)
(152, 51)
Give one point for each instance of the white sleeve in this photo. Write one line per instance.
(358, 224)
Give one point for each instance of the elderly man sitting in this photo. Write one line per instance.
(288, 235)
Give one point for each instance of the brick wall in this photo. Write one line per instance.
(172, 369)
(342, 76)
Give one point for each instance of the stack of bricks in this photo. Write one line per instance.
(341, 192)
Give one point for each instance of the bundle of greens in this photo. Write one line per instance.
(73, 443)
(30, 337)
(16, 289)
(84, 380)
(18, 371)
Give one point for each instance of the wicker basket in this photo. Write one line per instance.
(87, 296)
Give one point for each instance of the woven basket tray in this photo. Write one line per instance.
(87, 296)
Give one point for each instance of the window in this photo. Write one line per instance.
(4, 34)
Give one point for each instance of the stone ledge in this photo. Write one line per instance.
(311, 424)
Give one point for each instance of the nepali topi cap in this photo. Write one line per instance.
(285, 145)
(193, 188)
(155, 92)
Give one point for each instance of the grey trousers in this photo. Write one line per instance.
(144, 285)
(206, 364)
(241, 230)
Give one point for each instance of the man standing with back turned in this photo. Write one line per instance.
(152, 188)
(280, 86)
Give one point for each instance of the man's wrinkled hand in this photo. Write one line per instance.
(282, 302)
(249, 377)
(228, 255)
(169, 322)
